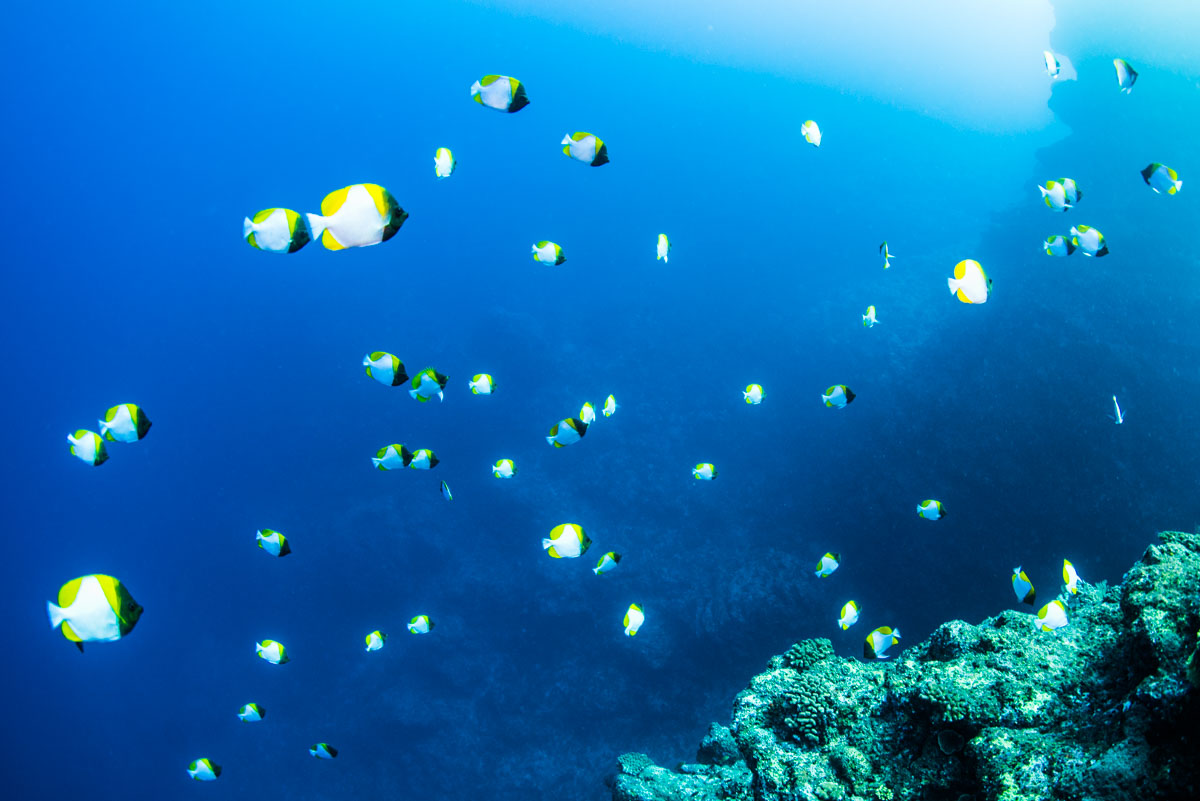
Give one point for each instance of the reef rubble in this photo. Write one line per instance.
(1104, 709)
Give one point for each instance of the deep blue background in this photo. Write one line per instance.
(135, 143)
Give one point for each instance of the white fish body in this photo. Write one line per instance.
(868, 319)
(811, 132)
(443, 163)
(587, 414)
(849, 615)
(273, 234)
(355, 224)
(1052, 65)
(90, 615)
(970, 283)
(88, 446)
(610, 406)
(634, 618)
(664, 247)
(504, 468)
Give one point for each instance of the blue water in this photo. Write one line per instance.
(136, 141)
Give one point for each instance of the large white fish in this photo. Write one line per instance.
(1058, 245)
(567, 541)
(1060, 195)
(878, 641)
(88, 446)
(567, 432)
(1089, 240)
(500, 92)
(357, 216)
(585, 147)
(1162, 179)
(125, 422)
(970, 283)
(94, 608)
(811, 133)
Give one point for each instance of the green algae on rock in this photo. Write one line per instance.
(1103, 709)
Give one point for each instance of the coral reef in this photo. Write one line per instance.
(1104, 709)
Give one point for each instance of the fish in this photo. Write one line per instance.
(482, 384)
(827, 564)
(94, 608)
(392, 457)
(753, 394)
(357, 216)
(271, 651)
(203, 770)
(1060, 195)
(1052, 65)
(385, 368)
(567, 541)
(1162, 179)
(838, 396)
(88, 446)
(125, 422)
(607, 562)
(886, 254)
(811, 133)
(1070, 577)
(970, 283)
(704, 471)
(251, 713)
(423, 459)
(566, 432)
(1089, 240)
(500, 92)
(504, 468)
(849, 615)
(868, 319)
(375, 640)
(585, 147)
(445, 490)
(443, 162)
(546, 252)
(277, 230)
(1051, 616)
(610, 406)
(323, 751)
(1058, 245)
(426, 384)
(587, 414)
(1023, 587)
(1118, 415)
(1126, 75)
(421, 624)
(878, 641)
(272, 542)
(931, 509)
(664, 248)
(634, 617)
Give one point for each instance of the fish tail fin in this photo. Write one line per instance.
(56, 614)
(566, 140)
(377, 462)
(551, 440)
(953, 284)
(247, 228)
(1044, 190)
(441, 396)
(547, 543)
(104, 426)
(317, 223)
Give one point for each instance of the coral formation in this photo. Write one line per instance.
(1104, 708)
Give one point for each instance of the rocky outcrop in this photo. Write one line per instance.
(1104, 709)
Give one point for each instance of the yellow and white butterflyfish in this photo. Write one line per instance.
(88, 446)
(1162, 179)
(323, 751)
(482, 384)
(271, 651)
(566, 432)
(500, 92)
(704, 471)
(838, 396)
(423, 459)
(664, 248)
(375, 640)
(547, 252)
(1058, 245)
(504, 468)
(1089, 240)
(1023, 587)
(1052, 65)
(1070, 577)
(251, 713)
(443, 162)
(357, 216)
(878, 641)
(585, 147)
(610, 406)
(272, 542)
(95, 608)
(827, 564)
(385, 368)
(849, 615)
(970, 283)
(607, 562)
(811, 133)
(634, 618)
(392, 457)
(1126, 75)
(421, 624)
(753, 394)
(931, 509)
(125, 422)
(1060, 195)
(869, 320)
(587, 413)
(204, 770)
(427, 384)
(1051, 616)
(886, 254)
(277, 230)
(567, 541)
